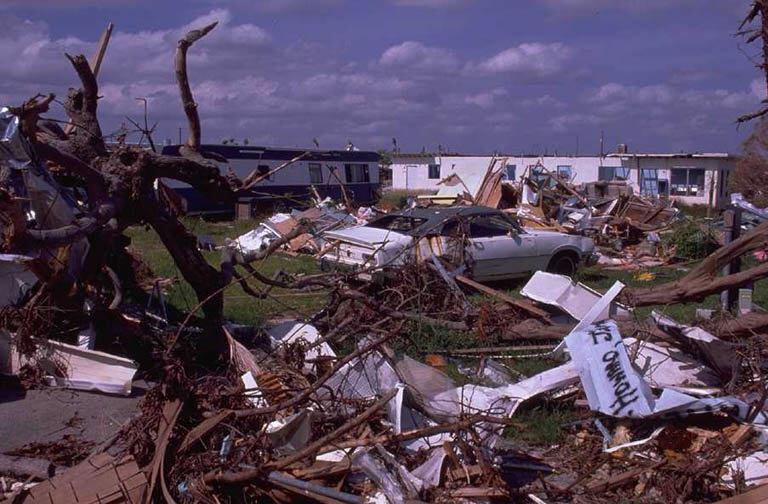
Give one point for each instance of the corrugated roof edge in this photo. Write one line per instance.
(611, 155)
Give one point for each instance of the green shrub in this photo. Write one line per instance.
(398, 198)
(690, 239)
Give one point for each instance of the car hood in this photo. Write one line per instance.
(367, 236)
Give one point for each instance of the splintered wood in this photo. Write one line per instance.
(98, 480)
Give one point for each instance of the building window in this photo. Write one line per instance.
(687, 181)
(537, 175)
(510, 172)
(434, 171)
(264, 170)
(315, 173)
(612, 173)
(564, 172)
(357, 173)
(649, 181)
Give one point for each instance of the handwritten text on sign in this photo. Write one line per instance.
(612, 385)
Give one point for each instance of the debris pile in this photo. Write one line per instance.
(405, 388)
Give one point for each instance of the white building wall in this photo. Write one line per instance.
(412, 172)
(714, 191)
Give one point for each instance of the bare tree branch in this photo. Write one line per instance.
(187, 100)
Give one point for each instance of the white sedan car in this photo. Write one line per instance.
(487, 242)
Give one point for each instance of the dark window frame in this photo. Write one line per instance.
(507, 175)
(680, 188)
(615, 174)
(404, 223)
(357, 173)
(315, 173)
(488, 229)
(433, 171)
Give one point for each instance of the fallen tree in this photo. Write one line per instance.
(705, 279)
(118, 187)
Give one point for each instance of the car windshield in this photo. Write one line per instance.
(397, 223)
(490, 225)
(480, 226)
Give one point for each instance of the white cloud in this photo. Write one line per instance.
(542, 101)
(327, 84)
(273, 6)
(659, 94)
(565, 122)
(614, 98)
(417, 55)
(292, 5)
(62, 4)
(485, 100)
(758, 88)
(433, 4)
(591, 6)
(534, 59)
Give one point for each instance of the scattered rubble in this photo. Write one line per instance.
(344, 406)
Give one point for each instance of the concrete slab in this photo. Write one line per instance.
(41, 415)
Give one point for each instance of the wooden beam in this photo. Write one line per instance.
(757, 496)
(495, 350)
(519, 303)
(98, 56)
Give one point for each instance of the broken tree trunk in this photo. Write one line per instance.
(705, 278)
(120, 187)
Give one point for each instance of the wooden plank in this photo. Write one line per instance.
(469, 492)
(757, 496)
(621, 478)
(98, 480)
(462, 472)
(98, 56)
(519, 303)
(496, 349)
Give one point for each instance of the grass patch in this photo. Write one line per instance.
(241, 308)
(238, 306)
(398, 198)
(543, 423)
(698, 211)
(427, 339)
(531, 366)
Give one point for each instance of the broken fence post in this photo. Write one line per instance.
(732, 230)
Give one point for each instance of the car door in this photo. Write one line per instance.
(498, 248)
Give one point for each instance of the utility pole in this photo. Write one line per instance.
(602, 141)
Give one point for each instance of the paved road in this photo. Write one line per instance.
(41, 415)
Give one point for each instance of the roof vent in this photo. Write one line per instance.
(621, 148)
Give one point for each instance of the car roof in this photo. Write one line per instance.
(437, 215)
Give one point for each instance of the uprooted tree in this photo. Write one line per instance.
(118, 185)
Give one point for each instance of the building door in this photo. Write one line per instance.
(410, 171)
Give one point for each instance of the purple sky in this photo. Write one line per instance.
(470, 75)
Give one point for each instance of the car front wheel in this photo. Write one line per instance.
(563, 264)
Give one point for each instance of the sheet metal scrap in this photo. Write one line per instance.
(322, 217)
(376, 423)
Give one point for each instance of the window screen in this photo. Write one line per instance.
(315, 173)
(357, 173)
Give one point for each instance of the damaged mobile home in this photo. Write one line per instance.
(286, 176)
